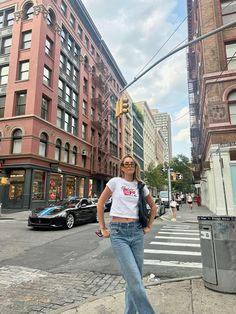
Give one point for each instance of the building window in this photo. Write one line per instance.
(228, 11)
(68, 68)
(61, 87)
(9, 17)
(69, 43)
(2, 106)
(73, 126)
(68, 94)
(51, 18)
(26, 40)
(84, 107)
(62, 62)
(72, 21)
(75, 74)
(6, 45)
(43, 144)
(24, 70)
(4, 74)
(63, 36)
(85, 86)
(16, 141)
(44, 108)
(67, 153)
(75, 100)
(84, 159)
(92, 139)
(55, 184)
(28, 11)
(232, 107)
(231, 56)
(92, 114)
(59, 118)
(86, 63)
(63, 8)
(38, 188)
(76, 51)
(47, 74)
(67, 122)
(48, 46)
(86, 41)
(58, 150)
(84, 131)
(74, 155)
(92, 50)
(20, 103)
(80, 31)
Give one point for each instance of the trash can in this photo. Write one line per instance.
(218, 246)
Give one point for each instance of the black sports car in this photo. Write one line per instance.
(65, 213)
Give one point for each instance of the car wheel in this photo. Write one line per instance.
(70, 221)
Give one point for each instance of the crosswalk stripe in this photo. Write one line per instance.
(172, 263)
(175, 244)
(177, 238)
(172, 252)
(181, 230)
(179, 233)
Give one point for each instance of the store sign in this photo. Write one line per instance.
(228, 144)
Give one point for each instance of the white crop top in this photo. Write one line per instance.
(124, 197)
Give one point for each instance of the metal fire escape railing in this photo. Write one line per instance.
(101, 80)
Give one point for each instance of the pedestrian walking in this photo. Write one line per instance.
(173, 205)
(198, 200)
(126, 233)
(190, 201)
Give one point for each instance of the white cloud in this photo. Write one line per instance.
(182, 117)
(182, 136)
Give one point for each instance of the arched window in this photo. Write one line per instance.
(74, 155)
(43, 144)
(28, 11)
(67, 153)
(58, 150)
(51, 18)
(16, 141)
(232, 107)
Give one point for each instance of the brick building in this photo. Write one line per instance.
(58, 87)
(212, 102)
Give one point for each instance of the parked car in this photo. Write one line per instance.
(67, 213)
(107, 206)
(164, 198)
(160, 207)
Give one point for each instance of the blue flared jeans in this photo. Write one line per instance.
(127, 240)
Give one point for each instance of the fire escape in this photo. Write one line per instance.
(101, 79)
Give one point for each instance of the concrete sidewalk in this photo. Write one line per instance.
(182, 296)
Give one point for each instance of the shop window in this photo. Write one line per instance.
(16, 141)
(67, 153)
(43, 144)
(16, 187)
(70, 186)
(81, 187)
(58, 150)
(28, 11)
(38, 187)
(55, 187)
(74, 155)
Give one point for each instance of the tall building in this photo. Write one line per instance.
(163, 123)
(138, 143)
(212, 103)
(58, 88)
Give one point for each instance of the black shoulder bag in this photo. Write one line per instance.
(143, 212)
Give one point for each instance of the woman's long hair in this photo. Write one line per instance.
(137, 175)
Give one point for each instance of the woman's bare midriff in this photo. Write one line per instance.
(122, 219)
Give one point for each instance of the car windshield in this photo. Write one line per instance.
(163, 194)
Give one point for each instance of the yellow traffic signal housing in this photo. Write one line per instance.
(4, 180)
(121, 106)
(173, 176)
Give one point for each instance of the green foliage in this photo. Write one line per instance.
(182, 164)
(155, 177)
(138, 112)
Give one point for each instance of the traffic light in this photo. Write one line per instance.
(179, 176)
(121, 106)
(4, 180)
(173, 176)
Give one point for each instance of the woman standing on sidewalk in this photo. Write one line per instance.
(126, 233)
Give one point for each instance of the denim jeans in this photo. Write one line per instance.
(127, 240)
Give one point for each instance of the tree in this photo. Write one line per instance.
(181, 164)
(155, 177)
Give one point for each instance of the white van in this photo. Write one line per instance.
(164, 198)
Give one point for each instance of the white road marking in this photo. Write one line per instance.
(179, 233)
(177, 238)
(175, 244)
(172, 252)
(181, 230)
(172, 263)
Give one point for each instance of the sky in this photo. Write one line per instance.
(134, 31)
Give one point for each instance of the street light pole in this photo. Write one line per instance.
(222, 177)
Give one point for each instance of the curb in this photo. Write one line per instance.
(108, 294)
